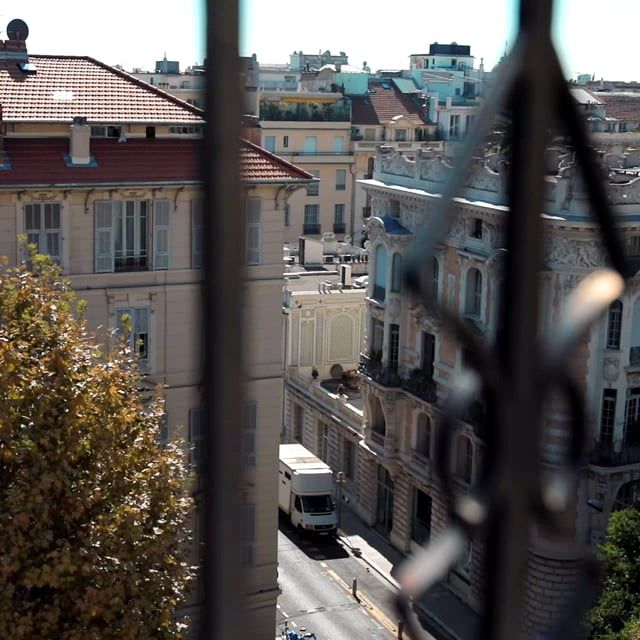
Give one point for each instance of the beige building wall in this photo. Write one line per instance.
(287, 139)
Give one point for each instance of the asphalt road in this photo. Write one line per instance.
(315, 575)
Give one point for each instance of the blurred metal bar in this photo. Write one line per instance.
(222, 307)
(520, 431)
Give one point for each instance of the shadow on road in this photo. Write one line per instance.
(314, 546)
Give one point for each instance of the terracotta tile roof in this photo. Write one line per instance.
(625, 106)
(259, 165)
(66, 86)
(41, 162)
(383, 105)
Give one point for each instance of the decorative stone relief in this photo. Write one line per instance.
(567, 251)
(628, 193)
(633, 379)
(458, 230)
(375, 229)
(484, 179)
(570, 283)
(398, 164)
(633, 286)
(435, 170)
(611, 369)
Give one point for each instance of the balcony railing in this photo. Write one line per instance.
(339, 227)
(378, 371)
(306, 112)
(311, 229)
(366, 212)
(130, 263)
(420, 385)
(378, 437)
(634, 356)
(605, 454)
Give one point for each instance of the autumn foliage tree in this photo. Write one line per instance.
(93, 512)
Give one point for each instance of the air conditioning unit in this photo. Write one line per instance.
(345, 275)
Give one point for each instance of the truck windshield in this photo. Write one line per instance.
(317, 504)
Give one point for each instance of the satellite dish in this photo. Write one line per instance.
(17, 30)
(336, 371)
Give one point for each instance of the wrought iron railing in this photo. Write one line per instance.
(618, 454)
(311, 229)
(420, 385)
(378, 371)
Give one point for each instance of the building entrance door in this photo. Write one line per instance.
(384, 512)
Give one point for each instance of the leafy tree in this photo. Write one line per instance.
(616, 615)
(93, 512)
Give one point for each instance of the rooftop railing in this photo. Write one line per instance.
(306, 112)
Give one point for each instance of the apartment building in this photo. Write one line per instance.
(101, 171)
(312, 130)
(410, 362)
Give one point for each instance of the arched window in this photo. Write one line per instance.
(464, 458)
(380, 270)
(628, 496)
(614, 325)
(436, 278)
(396, 272)
(423, 436)
(473, 293)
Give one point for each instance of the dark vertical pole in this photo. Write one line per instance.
(517, 477)
(222, 308)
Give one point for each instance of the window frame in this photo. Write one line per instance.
(614, 325)
(253, 238)
(43, 232)
(133, 340)
(341, 185)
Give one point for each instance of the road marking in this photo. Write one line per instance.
(324, 565)
(293, 624)
(371, 609)
(284, 613)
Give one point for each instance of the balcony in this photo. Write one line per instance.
(376, 370)
(130, 263)
(339, 111)
(379, 293)
(605, 454)
(311, 229)
(421, 386)
(339, 227)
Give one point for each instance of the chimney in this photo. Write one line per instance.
(79, 148)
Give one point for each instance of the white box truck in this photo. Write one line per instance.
(305, 490)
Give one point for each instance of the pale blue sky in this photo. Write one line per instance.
(593, 36)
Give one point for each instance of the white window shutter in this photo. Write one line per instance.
(253, 230)
(104, 237)
(161, 234)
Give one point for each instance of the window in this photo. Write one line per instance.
(339, 214)
(421, 517)
(632, 418)
(150, 132)
(469, 123)
(253, 231)
(42, 228)
(338, 144)
(196, 438)
(607, 417)
(270, 143)
(348, 458)
(454, 62)
(103, 131)
(463, 564)
(394, 344)
(163, 430)
(614, 325)
(394, 208)
(287, 216)
(249, 434)
(396, 272)
(377, 336)
(123, 234)
(313, 188)
(196, 234)
(464, 458)
(380, 269)
(311, 215)
(401, 135)
(341, 180)
(370, 134)
(248, 534)
(436, 278)
(298, 422)
(133, 326)
(427, 354)
(633, 246)
(457, 91)
(454, 126)
(423, 436)
(285, 141)
(473, 302)
(476, 228)
(310, 144)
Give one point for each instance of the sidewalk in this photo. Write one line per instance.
(444, 615)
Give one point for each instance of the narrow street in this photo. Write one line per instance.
(315, 575)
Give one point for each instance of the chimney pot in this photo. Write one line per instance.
(80, 144)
